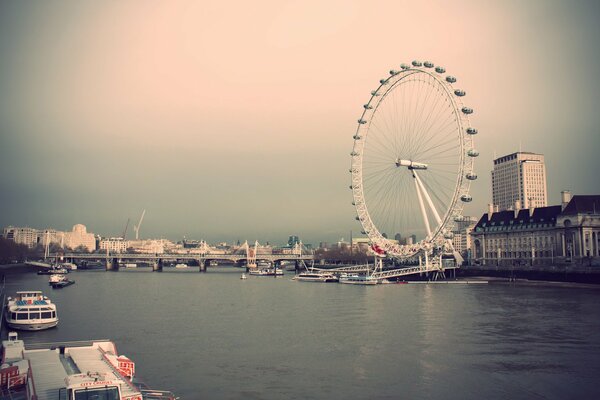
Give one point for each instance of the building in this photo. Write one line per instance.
(79, 238)
(461, 235)
(293, 240)
(519, 181)
(26, 236)
(566, 233)
(579, 227)
(114, 245)
(32, 237)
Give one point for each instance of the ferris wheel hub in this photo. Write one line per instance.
(410, 164)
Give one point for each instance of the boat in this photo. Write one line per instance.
(30, 311)
(62, 283)
(358, 279)
(53, 270)
(267, 272)
(243, 276)
(181, 266)
(54, 278)
(70, 371)
(316, 277)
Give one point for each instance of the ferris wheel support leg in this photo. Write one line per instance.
(423, 211)
(429, 201)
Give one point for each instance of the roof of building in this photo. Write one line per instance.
(583, 204)
(523, 217)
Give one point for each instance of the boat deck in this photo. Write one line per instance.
(48, 373)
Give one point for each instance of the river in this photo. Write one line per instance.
(214, 336)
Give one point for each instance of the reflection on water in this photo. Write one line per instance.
(216, 336)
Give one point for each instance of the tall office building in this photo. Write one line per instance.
(519, 181)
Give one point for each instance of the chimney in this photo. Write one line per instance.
(490, 210)
(565, 197)
(517, 207)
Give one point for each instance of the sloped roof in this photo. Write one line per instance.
(540, 215)
(583, 204)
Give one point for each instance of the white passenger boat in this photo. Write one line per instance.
(30, 311)
(316, 277)
(357, 279)
(70, 371)
(266, 272)
(181, 266)
(54, 278)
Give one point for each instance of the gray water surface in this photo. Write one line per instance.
(214, 336)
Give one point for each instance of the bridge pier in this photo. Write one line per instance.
(202, 265)
(112, 264)
(157, 265)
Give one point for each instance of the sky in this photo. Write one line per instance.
(234, 120)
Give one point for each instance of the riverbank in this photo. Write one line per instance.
(550, 273)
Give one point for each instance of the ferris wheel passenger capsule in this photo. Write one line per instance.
(460, 93)
(417, 63)
(374, 93)
(471, 176)
(428, 64)
(362, 121)
(353, 154)
(368, 107)
(450, 79)
(394, 72)
(383, 81)
(472, 153)
(466, 198)
(448, 235)
(356, 137)
(467, 110)
(472, 131)
(440, 70)
(404, 66)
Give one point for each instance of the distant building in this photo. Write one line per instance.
(569, 232)
(293, 240)
(519, 181)
(114, 245)
(146, 246)
(26, 236)
(79, 237)
(32, 237)
(461, 235)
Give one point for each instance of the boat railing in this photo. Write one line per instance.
(57, 345)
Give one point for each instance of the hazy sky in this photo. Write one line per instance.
(234, 120)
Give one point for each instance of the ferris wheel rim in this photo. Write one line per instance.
(465, 165)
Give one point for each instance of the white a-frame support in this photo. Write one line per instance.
(421, 188)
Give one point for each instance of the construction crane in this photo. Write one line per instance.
(125, 231)
(136, 228)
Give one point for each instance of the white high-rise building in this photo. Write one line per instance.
(519, 181)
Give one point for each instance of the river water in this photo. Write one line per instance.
(214, 336)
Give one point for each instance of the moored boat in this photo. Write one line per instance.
(316, 277)
(62, 283)
(357, 279)
(70, 371)
(267, 272)
(30, 311)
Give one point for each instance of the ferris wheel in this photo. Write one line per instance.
(412, 161)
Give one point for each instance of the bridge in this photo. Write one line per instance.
(248, 257)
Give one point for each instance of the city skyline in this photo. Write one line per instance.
(225, 127)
